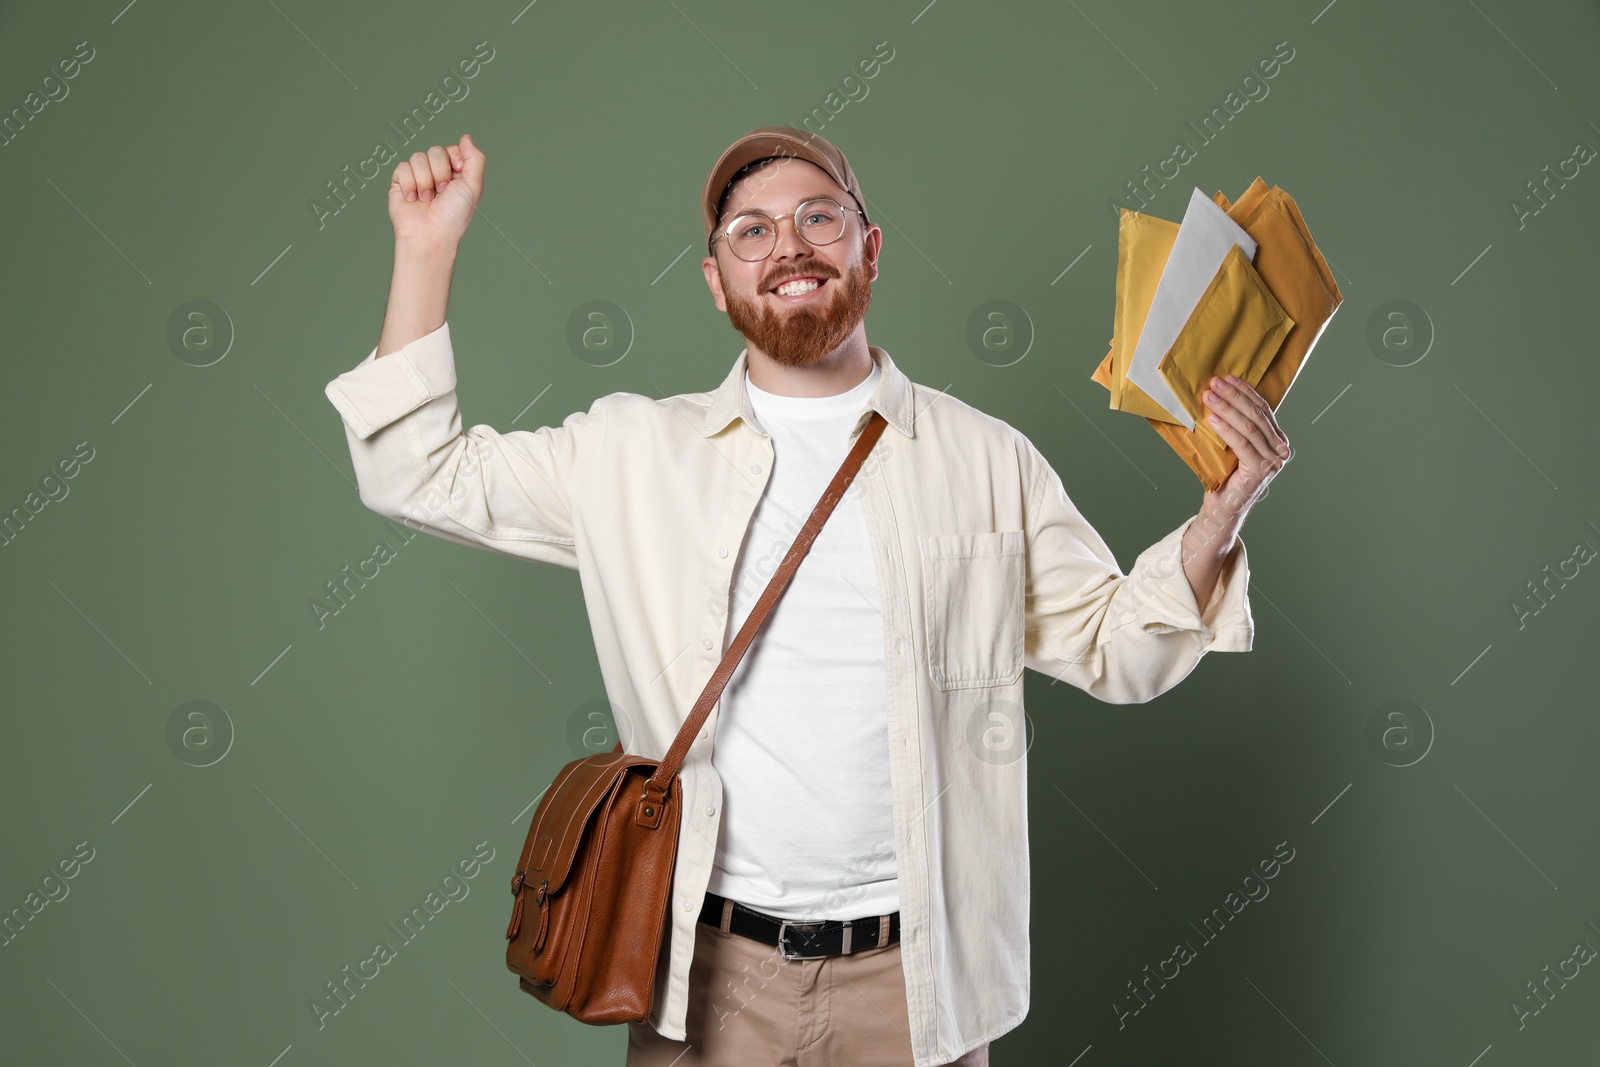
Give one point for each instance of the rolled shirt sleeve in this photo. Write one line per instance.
(1122, 638)
(502, 492)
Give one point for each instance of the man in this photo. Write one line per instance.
(852, 876)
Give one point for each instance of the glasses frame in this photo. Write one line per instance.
(793, 217)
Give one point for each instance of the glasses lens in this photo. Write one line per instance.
(821, 221)
(753, 236)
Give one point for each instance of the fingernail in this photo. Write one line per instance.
(411, 196)
(1213, 417)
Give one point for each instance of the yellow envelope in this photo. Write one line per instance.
(1236, 328)
(1143, 244)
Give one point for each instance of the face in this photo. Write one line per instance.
(795, 331)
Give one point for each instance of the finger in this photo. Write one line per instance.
(1225, 389)
(405, 180)
(1250, 421)
(1230, 424)
(439, 162)
(1270, 445)
(1266, 408)
(422, 171)
(1255, 397)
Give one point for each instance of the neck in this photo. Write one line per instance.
(838, 372)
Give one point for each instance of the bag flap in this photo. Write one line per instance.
(566, 810)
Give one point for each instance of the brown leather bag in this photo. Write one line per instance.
(595, 877)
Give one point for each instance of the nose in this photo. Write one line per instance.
(790, 244)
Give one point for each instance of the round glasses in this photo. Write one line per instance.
(754, 234)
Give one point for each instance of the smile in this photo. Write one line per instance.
(800, 297)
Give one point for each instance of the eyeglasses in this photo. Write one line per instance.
(753, 235)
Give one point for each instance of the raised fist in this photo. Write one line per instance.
(433, 194)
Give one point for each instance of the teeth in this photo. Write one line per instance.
(795, 288)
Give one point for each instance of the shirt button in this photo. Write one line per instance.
(722, 552)
(899, 645)
(706, 732)
(688, 905)
(710, 810)
(755, 468)
(706, 642)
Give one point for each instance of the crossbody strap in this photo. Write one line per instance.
(808, 533)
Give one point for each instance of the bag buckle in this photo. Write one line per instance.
(783, 943)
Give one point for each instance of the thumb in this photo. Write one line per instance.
(472, 164)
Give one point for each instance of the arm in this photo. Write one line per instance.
(504, 492)
(419, 290)
(1122, 638)
(1207, 544)
(507, 493)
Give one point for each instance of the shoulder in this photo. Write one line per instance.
(682, 410)
(631, 422)
(949, 421)
(632, 407)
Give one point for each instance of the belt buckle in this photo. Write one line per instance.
(783, 944)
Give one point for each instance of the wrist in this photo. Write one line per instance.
(1215, 529)
(425, 249)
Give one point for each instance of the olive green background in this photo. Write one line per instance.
(351, 765)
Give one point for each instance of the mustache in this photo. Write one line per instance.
(777, 280)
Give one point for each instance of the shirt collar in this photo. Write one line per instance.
(893, 398)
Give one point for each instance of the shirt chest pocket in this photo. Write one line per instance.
(972, 589)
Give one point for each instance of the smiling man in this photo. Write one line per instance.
(852, 880)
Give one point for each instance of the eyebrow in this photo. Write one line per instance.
(772, 215)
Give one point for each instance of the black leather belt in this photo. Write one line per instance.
(801, 940)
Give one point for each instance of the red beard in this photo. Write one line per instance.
(802, 335)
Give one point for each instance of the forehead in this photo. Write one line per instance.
(780, 184)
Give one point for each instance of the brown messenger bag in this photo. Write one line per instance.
(595, 877)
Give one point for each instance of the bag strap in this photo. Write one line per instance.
(780, 580)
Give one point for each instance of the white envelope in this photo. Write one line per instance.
(1204, 238)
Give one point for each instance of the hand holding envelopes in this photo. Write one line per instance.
(1263, 315)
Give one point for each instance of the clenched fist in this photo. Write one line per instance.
(433, 194)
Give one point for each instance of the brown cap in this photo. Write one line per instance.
(777, 141)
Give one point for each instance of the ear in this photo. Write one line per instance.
(708, 267)
(872, 244)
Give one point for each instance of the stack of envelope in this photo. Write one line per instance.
(1235, 289)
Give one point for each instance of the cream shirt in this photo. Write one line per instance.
(984, 564)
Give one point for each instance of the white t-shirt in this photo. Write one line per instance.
(802, 743)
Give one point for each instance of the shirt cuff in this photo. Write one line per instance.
(1161, 600)
(376, 392)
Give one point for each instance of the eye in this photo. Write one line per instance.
(754, 226)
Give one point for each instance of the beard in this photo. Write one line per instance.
(803, 335)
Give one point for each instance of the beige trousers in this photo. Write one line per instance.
(750, 1007)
